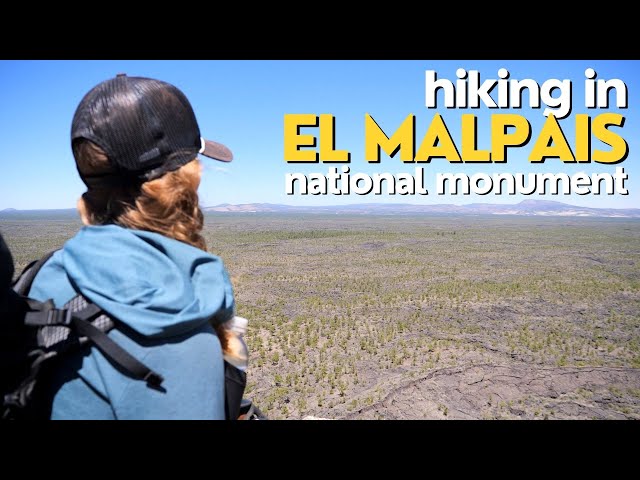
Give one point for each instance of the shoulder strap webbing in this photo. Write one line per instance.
(83, 326)
(25, 280)
(116, 353)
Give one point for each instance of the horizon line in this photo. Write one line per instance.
(359, 205)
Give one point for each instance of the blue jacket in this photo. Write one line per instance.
(164, 291)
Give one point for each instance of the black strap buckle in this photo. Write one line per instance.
(53, 317)
(153, 379)
(59, 317)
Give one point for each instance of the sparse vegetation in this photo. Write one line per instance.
(344, 310)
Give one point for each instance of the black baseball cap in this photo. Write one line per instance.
(145, 126)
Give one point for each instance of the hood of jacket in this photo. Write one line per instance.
(156, 285)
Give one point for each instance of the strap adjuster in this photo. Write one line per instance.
(59, 317)
(153, 379)
(53, 317)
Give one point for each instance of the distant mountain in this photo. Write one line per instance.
(526, 207)
(259, 207)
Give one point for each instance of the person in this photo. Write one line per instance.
(142, 258)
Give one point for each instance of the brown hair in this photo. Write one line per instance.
(167, 205)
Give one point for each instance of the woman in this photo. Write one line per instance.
(141, 257)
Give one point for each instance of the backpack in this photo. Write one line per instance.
(34, 335)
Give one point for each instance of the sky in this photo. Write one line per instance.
(242, 104)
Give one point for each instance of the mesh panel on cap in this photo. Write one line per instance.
(145, 126)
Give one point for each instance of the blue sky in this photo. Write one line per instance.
(242, 104)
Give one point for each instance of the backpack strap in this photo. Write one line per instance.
(235, 381)
(115, 352)
(23, 284)
(41, 313)
(78, 312)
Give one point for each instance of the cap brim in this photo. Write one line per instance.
(217, 151)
